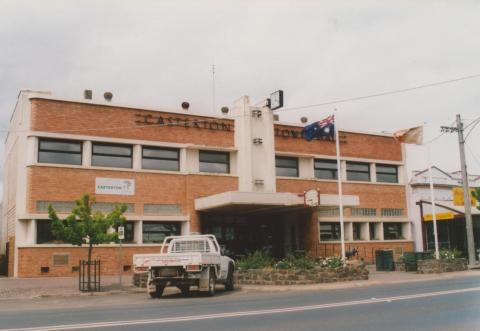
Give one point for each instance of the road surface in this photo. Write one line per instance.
(434, 305)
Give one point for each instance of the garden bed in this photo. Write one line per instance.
(270, 276)
(442, 265)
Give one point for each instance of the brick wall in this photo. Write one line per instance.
(356, 145)
(31, 260)
(120, 122)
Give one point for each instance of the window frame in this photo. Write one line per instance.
(227, 163)
(391, 166)
(68, 141)
(400, 227)
(327, 161)
(112, 155)
(297, 172)
(157, 148)
(50, 238)
(177, 224)
(335, 225)
(349, 171)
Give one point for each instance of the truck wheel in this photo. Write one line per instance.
(229, 284)
(158, 291)
(185, 290)
(211, 284)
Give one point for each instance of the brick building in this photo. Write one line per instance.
(239, 175)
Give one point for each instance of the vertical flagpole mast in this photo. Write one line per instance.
(339, 183)
(432, 199)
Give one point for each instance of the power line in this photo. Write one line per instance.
(473, 127)
(384, 93)
(473, 154)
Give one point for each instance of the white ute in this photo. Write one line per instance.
(185, 261)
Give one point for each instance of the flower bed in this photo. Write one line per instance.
(442, 265)
(271, 276)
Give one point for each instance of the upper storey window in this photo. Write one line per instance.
(218, 162)
(286, 166)
(326, 169)
(358, 171)
(111, 155)
(60, 151)
(160, 158)
(387, 173)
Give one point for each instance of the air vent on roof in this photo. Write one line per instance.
(87, 94)
(108, 96)
(185, 105)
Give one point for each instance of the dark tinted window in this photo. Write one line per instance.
(358, 171)
(387, 173)
(356, 227)
(60, 151)
(286, 166)
(218, 162)
(329, 231)
(155, 232)
(109, 155)
(129, 232)
(160, 158)
(392, 231)
(373, 233)
(326, 169)
(44, 232)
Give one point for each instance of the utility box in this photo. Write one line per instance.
(412, 258)
(384, 260)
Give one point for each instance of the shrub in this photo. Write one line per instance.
(256, 260)
(295, 262)
(331, 262)
(447, 254)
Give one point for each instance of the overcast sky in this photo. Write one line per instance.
(160, 53)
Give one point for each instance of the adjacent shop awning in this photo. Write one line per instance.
(253, 202)
(439, 216)
(447, 211)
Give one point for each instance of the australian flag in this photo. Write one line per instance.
(320, 130)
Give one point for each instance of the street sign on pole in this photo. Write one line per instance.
(121, 236)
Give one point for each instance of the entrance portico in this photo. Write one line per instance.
(277, 223)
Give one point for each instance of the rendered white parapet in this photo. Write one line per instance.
(332, 200)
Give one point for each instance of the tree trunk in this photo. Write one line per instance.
(89, 262)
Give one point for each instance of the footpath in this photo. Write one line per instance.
(24, 288)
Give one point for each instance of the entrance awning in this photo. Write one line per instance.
(253, 202)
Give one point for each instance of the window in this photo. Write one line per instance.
(392, 231)
(358, 171)
(357, 233)
(60, 151)
(364, 212)
(286, 166)
(160, 158)
(217, 162)
(107, 155)
(329, 231)
(155, 232)
(44, 232)
(373, 230)
(325, 169)
(129, 231)
(387, 173)
(392, 212)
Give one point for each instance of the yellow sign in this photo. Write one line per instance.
(440, 216)
(458, 200)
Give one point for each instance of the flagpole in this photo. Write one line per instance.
(432, 199)
(339, 183)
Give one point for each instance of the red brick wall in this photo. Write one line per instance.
(68, 184)
(32, 259)
(119, 122)
(356, 145)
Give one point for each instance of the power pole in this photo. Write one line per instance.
(466, 194)
(466, 190)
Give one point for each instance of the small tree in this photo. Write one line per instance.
(82, 227)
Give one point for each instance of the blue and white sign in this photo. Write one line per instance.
(115, 186)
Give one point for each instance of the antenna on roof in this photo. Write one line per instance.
(213, 87)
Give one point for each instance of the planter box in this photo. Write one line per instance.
(439, 266)
(300, 276)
